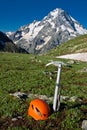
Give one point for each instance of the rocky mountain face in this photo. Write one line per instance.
(7, 45)
(41, 36)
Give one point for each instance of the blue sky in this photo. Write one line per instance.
(16, 13)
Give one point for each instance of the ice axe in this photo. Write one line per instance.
(56, 99)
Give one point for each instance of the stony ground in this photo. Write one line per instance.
(27, 123)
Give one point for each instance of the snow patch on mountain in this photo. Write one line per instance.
(33, 31)
(9, 33)
(55, 13)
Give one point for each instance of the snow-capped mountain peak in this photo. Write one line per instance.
(55, 13)
(55, 28)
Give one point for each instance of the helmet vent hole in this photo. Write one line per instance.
(44, 114)
(37, 110)
(32, 106)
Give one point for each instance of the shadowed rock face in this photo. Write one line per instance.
(7, 45)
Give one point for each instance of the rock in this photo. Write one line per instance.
(19, 95)
(64, 98)
(73, 99)
(84, 125)
(14, 119)
(19, 117)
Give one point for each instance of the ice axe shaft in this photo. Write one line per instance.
(56, 100)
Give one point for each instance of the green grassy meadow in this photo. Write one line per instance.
(28, 74)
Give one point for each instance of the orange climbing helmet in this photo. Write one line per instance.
(39, 109)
